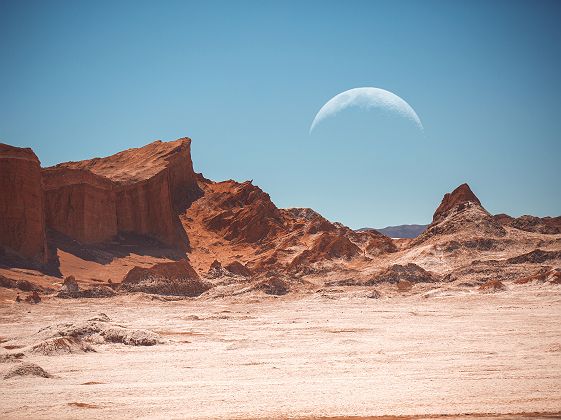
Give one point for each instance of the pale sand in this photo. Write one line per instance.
(298, 356)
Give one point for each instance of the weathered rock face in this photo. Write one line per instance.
(22, 221)
(243, 213)
(461, 212)
(239, 222)
(138, 191)
(457, 198)
(80, 204)
(547, 225)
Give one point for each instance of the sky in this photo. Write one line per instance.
(245, 79)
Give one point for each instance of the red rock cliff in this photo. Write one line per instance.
(138, 190)
(22, 221)
(80, 204)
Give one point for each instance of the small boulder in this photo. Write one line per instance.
(216, 270)
(374, 294)
(70, 285)
(404, 285)
(238, 269)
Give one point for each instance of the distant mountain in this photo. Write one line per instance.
(401, 231)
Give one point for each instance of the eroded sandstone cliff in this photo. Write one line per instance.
(22, 221)
(136, 191)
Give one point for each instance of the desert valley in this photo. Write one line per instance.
(131, 285)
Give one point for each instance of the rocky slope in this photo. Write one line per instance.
(238, 222)
(146, 207)
(466, 243)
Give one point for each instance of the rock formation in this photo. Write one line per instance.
(457, 199)
(137, 191)
(80, 204)
(239, 222)
(22, 221)
(101, 213)
(176, 278)
(461, 211)
(547, 225)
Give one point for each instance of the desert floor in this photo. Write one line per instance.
(336, 353)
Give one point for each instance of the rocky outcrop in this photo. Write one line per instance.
(492, 286)
(536, 256)
(172, 270)
(242, 212)
(22, 220)
(398, 273)
(138, 191)
(461, 212)
(237, 268)
(547, 225)
(239, 222)
(457, 199)
(176, 278)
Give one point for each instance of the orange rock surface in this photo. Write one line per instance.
(137, 191)
(22, 218)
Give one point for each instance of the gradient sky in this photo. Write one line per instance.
(244, 80)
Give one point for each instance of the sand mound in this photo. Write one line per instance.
(168, 287)
(492, 286)
(73, 337)
(27, 369)
(61, 345)
(273, 286)
(176, 278)
(410, 272)
(22, 285)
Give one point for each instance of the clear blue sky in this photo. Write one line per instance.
(244, 80)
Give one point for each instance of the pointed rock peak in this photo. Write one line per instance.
(459, 197)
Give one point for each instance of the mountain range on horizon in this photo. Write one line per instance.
(399, 231)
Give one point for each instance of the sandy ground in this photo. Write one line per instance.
(306, 356)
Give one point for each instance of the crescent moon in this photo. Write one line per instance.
(366, 98)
